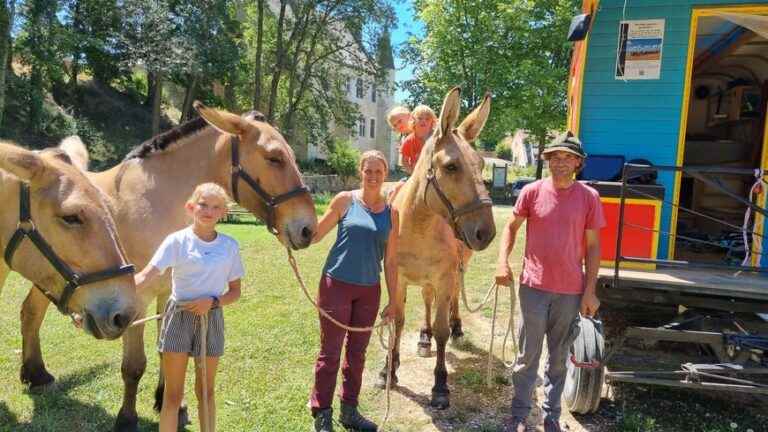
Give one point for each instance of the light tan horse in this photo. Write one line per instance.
(68, 244)
(150, 188)
(444, 200)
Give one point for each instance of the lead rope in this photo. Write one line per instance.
(759, 182)
(201, 358)
(379, 327)
(510, 324)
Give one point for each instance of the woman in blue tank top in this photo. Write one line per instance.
(350, 289)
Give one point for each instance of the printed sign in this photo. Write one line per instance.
(639, 51)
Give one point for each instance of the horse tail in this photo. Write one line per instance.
(74, 148)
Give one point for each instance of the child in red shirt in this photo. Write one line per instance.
(423, 121)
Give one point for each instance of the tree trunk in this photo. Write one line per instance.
(77, 25)
(150, 89)
(5, 37)
(259, 49)
(230, 98)
(280, 54)
(156, 103)
(189, 97)
(540, 161)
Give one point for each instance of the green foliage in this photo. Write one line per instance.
(516, 50)
(503, 151)
(343, 158)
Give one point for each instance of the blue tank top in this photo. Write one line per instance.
(360, 245)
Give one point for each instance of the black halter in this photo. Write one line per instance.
(454, 213)
(27, 228)
(271, 202)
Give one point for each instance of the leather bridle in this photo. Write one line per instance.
(26, 228)
(454, 213)
(271, 202)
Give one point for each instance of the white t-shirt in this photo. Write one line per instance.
(200, 268)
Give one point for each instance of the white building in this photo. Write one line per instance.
(371, 131)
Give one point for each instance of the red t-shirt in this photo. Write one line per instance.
(555, 246)
(411, 149)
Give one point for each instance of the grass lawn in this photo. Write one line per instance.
(267, 371)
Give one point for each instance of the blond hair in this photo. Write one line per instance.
(375, 155)
(397, 111)
(422, 110)
(208, 189)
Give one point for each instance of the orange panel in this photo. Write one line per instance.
(636, 242)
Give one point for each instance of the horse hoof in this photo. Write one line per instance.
(440, 401)
(381, 381)
(424, 351)
(184, 416)
(458, 340)
(37, 380)
(125, 423)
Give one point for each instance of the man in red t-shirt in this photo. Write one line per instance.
(563, 220)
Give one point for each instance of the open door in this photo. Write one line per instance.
(724, 123)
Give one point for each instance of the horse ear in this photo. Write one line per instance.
(223, 121)
(449, 113)
(22, 163)
(471, 127)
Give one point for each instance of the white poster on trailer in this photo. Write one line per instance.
(638, 56)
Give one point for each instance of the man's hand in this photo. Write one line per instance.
(589, 304)
(199, 306)
(503, 275)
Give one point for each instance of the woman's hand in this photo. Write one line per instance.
(389, 313)
(200, 306)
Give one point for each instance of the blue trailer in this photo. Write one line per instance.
(669, 98)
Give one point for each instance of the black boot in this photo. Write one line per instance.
(324, 420)
(351, 419)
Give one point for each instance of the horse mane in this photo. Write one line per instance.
(164, 141)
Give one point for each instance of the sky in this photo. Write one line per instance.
(406, 26)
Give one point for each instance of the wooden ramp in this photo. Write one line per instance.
(720, 283)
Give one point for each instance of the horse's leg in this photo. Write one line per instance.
(457, 333)
(134, 364)
(32, 366)
(395, 348)
(162, 299)
(425, 335)
(4, 272)
(440, 392)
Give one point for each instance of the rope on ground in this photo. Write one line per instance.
(494, 289)
(379, 327)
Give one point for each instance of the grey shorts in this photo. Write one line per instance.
(180, 332)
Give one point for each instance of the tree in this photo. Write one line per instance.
(151, 37)
(516, 50)
(316, 43)
(5, 47)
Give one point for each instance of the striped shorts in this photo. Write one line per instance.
(180, 332)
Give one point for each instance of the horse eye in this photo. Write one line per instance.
(452, 167)
(73, 220)
(275, 160)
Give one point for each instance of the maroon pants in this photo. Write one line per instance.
(353, 305)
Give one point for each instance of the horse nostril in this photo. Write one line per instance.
(306, 233)
(121, 320)
(481, 235)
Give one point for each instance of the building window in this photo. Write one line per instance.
(361, 126)
(347, 85)
(373, 95)
(359, 88)
(373, 128)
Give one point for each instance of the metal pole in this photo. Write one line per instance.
(620, 226)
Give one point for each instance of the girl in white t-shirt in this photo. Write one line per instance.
(206, 272)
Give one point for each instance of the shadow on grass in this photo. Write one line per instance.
(55, 408)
